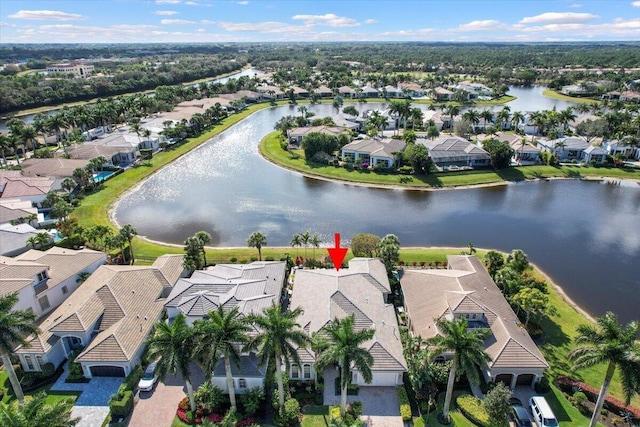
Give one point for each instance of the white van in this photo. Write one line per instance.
(542, 413)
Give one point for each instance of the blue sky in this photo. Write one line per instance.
(113, 21)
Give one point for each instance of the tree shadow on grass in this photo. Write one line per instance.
(511, 174)
(556, 406)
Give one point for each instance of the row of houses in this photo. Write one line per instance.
(110, 315)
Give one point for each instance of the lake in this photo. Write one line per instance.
(585, 235)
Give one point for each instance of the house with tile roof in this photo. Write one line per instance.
(447, 151)
(17, 210)
(465, 290)
(525, 152)
(572, 148)
(323, 92)
(44, 279)
(56, 167)
(249, 287)
(14, 238)
(360, 290)
(347, 92)
(15, 186)
(297, 134)
(374, 151)
(109, 316)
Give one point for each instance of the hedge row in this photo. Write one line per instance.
(403, 400)
(472, 408)
(569, 385)
(123, 406)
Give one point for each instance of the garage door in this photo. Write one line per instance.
(524, 379)
(107, 371)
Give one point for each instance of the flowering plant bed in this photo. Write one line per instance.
(192, 418)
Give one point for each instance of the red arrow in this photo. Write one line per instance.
(337, 254)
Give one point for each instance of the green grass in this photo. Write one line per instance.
(52, 396)
(550, 93)
(271, 149)
(315, 416)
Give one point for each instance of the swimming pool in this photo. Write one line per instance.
(102, 176)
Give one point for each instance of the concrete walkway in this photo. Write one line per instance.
(92, 406)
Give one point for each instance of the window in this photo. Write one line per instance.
(354, 377)
(473, 316)
(295, 371)
(44, 302)
(306, 371)
(65, 289)
(40, 361)
(29, 362)
(242, 383)
(42, 276)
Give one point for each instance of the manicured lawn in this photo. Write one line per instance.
(271, 149)
(315, 416)
(52, 396)
(549, 93)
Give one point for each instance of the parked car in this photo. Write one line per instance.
(520, 416)
(542, 413)
(149, 378)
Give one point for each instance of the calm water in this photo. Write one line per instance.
(585, 235)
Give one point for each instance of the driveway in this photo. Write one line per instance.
(92, 406)
(157, 408)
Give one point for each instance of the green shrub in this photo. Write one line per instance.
(542, 386)
(254, 258)
(356, 408)
(251, 400)
(405, 170)
(289, 415)
(269, 258)
(403, 400)
(578, 398)
(473, 409)
(133, 378)
(210, 396)
(233, 260)
(122, 407)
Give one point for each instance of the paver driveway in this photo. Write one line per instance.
(157, 408)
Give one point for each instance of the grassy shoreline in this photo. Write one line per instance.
(270, 148)
(550, 93)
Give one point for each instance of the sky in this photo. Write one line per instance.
(161, 21)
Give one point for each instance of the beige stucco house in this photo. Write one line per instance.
(466, 290)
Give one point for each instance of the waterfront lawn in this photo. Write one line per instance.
(271, 149)
(550, 93)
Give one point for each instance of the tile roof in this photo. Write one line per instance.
(250, 287)
(452, 148)
(466, 287)
(329, 130)
(324, 295)
(57, 167)
(13, 209)
(14, 185)
(376, 147)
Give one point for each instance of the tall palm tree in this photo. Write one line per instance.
(4, 146)
(315, 243)
(36, 412)
(222, 334)
(468, 352)
(172, 345)
(487, 116)
(614, 345)
(204, 238)
(304, 239)
(345, 350)
(128, 232)
(473, 117)
(257, 240)
(279, 336)
(14, 327)
(296, 242)
(517, 118)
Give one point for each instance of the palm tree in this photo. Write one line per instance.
(279, 337)
(296, 242)
(452, 111)
(204, 238)
(504, 115)
(33, 241)
(304, 239)
(4, 146)
(517, 118)
(128, 232)
(473, 117)
(36, 412)
(472, 248)
(222, 333)
(257, 240)
(68, 184)
(614, 345)
(172, 345)
(344, 349)
(315, 243)
(14, 327)
(487, 116)
(468, 352)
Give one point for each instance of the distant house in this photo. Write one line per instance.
(57, 167)
(616, 146)
(109, 316)
(78, 69)
(297, 134)
(465, 290)
(393, 92)
(44, 279)
(595, 155)
(323, 92)
(370, 92)
(249, 287)
(447, 151)
(14, 238)
(413, 90)
(347, 92)
(572, 148)
(525, 152)
(362, 291)
(373, 151)
(271, 92)
(16, 210)
(300, 92)
(442, 94)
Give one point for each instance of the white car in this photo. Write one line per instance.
(149, 378)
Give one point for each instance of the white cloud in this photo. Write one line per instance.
(176, 22)
(328, 20)
(165, 12)
(243, 3)
(207, 22)
(168, 1)
(370, 21)
(201, 30)
(575, 6)
(262, 27)
(635, 4)
(485, 25)
(45, 15)
(558, 18)
(6, 24)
